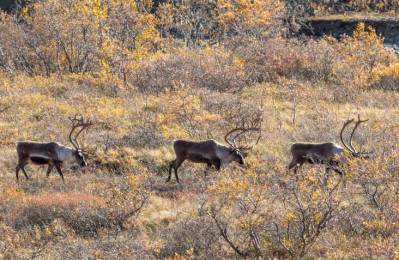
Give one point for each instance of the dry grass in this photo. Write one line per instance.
(356, 16)
(145, 91)
(172, 207)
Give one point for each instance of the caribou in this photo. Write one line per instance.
(326, 153)
(211, 152)
(51, 153)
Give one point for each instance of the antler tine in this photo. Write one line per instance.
(243, 130)
(84, 125)
(77, 121)
(257, 126)
(254, 125)
(249, 147)
(227, 136)
(342, 132)
(74, 126)
(245, 120)
(358, 122)
(260, 132)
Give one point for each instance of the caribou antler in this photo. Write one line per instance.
(350, 145)
(342, 132)
(78, 121)
(254, 125)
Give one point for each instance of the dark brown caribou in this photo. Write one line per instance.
(326, 153)
(211, 152)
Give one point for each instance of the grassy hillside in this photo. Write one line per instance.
(144, 88)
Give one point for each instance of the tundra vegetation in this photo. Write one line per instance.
(194, 70)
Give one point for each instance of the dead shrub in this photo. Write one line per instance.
(344, 65)
(179, 239)
(84, 213)
(211, 69)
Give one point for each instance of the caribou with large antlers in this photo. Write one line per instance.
(53, 154)
(325, 153)
(211, 152)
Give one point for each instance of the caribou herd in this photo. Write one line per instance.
(210, 152)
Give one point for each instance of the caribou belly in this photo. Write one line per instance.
(39, 160)
(198, 158)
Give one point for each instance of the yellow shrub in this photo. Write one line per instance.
(390, 70)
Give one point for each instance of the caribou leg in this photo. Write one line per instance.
(292, 164)
(58, 167)
(17, 172)
(334, 165)
(17, 169)
(175, 165)
(208, 167)
(335, 169)
(23, 170)
(170, 170)
(49, 169)
(177, 176)
(20, 166)
(296, 164)
(217, 164)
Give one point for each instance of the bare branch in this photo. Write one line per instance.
(223, 232)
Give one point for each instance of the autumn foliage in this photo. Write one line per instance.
(148, 72)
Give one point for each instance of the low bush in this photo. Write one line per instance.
(83, 213)
(214, 69)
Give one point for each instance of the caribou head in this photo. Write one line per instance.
(237, 152)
